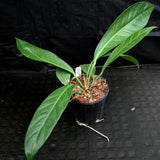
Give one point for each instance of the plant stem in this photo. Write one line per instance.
(88, 73)
(98, 76)
(93, 63)
(95, 80)
(84, 79)
(89, 67)
(81, 89)
(79, 81)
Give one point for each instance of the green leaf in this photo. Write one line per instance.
(131, 41)
(85, 68)
(35, 53)
(127, 45)
(45, 119)
(131, 59)
(131, 20)
(63, 76)
(107, 54)
(126, 57)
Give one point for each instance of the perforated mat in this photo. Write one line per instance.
(131, 118)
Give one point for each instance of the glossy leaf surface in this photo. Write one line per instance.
(63, 76)
(85, 68)
(127, 45)
(131, 20)
(45, 119)
(42, 55)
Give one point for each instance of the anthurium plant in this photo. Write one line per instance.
(125, 32)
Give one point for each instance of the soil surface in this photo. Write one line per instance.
(89, 95)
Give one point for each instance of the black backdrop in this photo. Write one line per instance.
(69, 28)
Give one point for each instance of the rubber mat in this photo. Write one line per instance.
(131, 118)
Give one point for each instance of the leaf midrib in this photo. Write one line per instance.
(133, 38)
(47, 118)
(118, 32)
(50, 62)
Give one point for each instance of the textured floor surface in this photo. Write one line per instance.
(132, 118)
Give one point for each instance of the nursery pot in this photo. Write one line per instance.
(88, 113)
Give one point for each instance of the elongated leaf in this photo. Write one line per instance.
(132, 40)
(131, 20)
(42, 55)
(45, 118)
(85, 68)
(126, 57)
(131, 59)
(63, 76)
(127, 45)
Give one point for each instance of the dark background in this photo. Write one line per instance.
(69, 28)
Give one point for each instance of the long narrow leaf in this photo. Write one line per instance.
(132, 40)
(42, 55)
(127, 45)
(45, 119)
(131, 59)
(131, 20)
(63, 76)
(126, 57)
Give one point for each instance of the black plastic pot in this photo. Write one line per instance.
(88, 112)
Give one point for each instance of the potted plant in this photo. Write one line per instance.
(125, 32)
